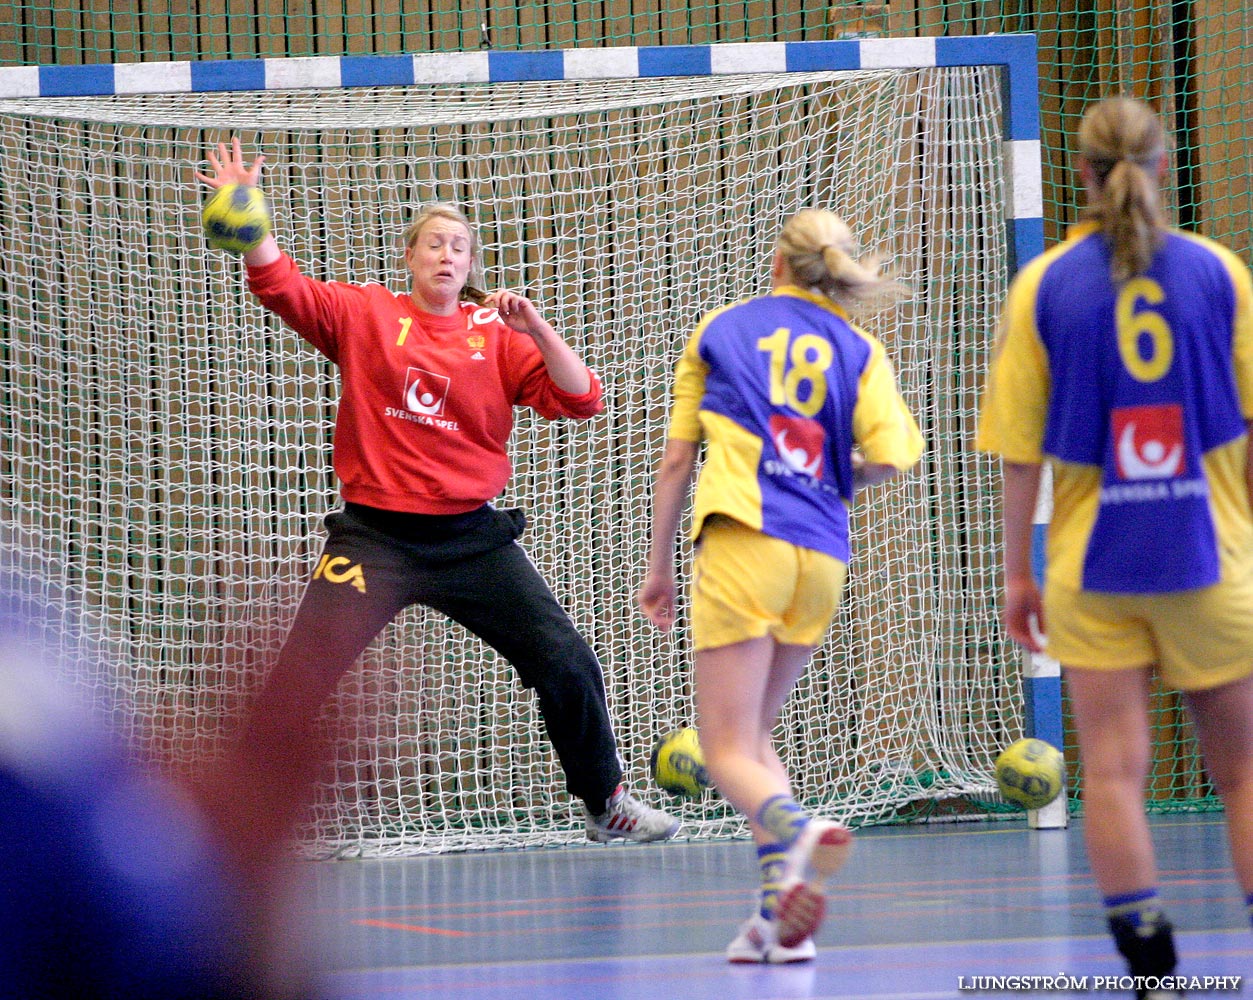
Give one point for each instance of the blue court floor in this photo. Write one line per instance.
(918, 912)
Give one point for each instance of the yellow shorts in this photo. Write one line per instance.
(747, 585)
(1198, 639)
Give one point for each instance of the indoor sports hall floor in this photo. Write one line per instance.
(918, 912)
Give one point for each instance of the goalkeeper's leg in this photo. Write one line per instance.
(501, 597)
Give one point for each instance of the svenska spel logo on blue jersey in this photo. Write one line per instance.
(1148, 441)
(799, 442)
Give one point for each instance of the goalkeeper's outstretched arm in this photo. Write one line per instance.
(227, 166)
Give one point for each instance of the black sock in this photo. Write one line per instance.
(1148, 948)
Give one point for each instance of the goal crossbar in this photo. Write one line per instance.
(1015, 54)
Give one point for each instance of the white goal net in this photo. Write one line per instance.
(165, 451)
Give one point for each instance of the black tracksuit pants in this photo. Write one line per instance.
(470, 568)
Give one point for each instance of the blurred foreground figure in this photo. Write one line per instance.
(112, 886)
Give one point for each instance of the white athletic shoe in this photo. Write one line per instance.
(817, 854)
(758, 943)
(627, 818)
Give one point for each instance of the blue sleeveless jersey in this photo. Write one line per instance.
(1142, 384)
(782, 387)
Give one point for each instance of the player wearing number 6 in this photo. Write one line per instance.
(783, 388)
(1126, 361)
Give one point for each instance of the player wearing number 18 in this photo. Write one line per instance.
(1126, 361)
(784, 388)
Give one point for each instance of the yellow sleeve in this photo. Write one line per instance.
(1016, 396)
(689, 390)
(1242, 326)
(883, 427)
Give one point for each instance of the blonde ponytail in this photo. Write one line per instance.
(1123, 142)
(818, 248)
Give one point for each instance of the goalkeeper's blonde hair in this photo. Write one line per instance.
(472, 291)
(820, 251)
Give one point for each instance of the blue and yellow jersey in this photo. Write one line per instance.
(782, 387)
(1139, 395)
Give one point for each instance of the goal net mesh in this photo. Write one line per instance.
(165, 452)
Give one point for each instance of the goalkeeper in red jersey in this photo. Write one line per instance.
(1126, 362)
(799, 407)
(430, 379)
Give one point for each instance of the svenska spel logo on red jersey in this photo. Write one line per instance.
(1148, 441)
(799, 442)
(425, 392)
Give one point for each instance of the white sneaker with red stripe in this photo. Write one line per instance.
(818, 853)
(627, 818)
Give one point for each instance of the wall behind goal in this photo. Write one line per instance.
(1193, 59)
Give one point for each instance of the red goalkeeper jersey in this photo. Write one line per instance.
(426, 406)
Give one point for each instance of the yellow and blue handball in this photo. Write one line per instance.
(236, 218)
(678, 766)
(1031, 773)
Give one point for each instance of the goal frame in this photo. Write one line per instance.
(1014, 55)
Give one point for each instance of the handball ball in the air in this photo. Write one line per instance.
(236, 218)
(1031, 773)
(678, 766)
